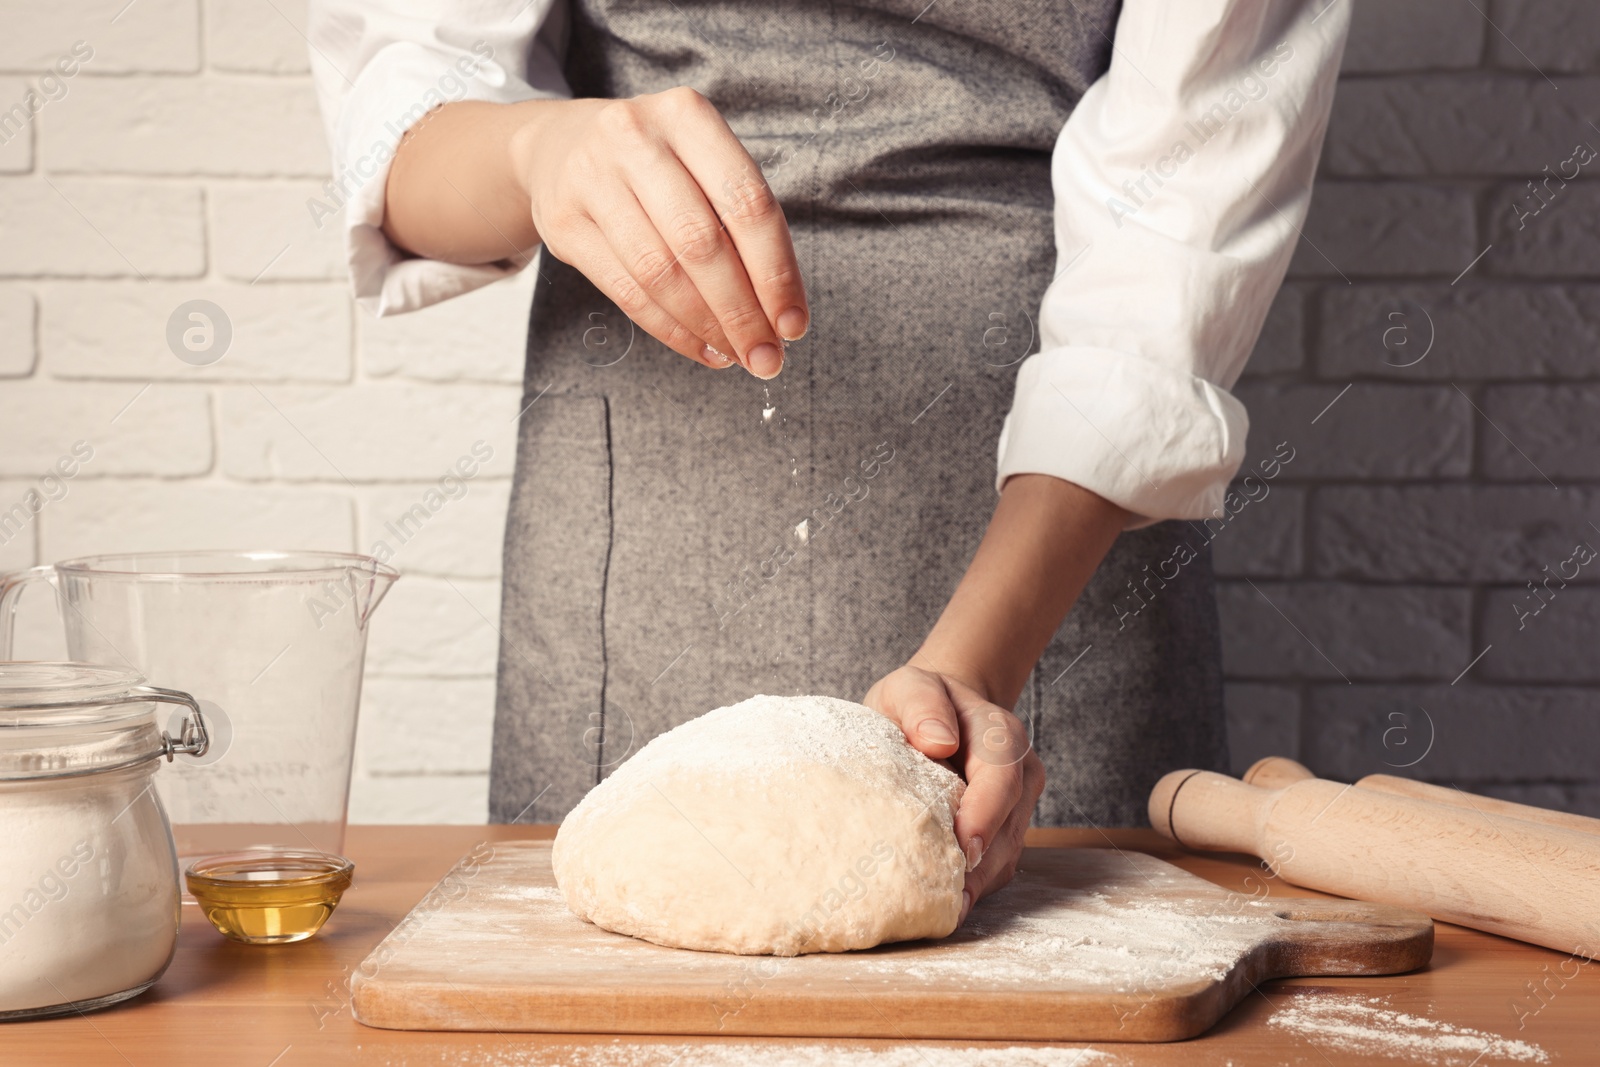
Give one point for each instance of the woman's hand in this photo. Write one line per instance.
(946, 718)
(1046, 538)
(653, 198)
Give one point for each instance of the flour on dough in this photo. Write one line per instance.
(778, 825)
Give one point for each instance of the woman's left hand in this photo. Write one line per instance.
(948, 719)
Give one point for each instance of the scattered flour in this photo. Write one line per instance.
(1084, 940)
(1367, 1026)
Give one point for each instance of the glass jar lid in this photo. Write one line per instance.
(27, 684)
(61, 720)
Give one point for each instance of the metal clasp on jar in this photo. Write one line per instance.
(193, 738)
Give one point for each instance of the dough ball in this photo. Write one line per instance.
(778, 825)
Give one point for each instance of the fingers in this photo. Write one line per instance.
(998, 761)
(586, 248)
(918, 701)
(1005, 777)
(1000, 860)
(670, 181)
(637, 245)
(750, 212)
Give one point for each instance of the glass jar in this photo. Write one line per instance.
(89, 899)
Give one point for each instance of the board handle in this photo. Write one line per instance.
(1329, 937)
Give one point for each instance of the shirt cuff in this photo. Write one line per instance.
(401, 84)
(1159, 442)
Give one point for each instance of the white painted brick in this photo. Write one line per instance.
(100, 228)
(133, 429)
(436, 627)
(16, 538)
(366, 432)
(426, 725)
(252, 35)
(149, 35)
(16, 138)
(481, 336)
(461, 538)
(451, 799)
(264, 231)
(17, 341)
(283, 332)
(141, 515)
(222, 125)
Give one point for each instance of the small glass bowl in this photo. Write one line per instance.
(269, 897)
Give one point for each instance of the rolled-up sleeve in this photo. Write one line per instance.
(378, 69)
(1181, 182)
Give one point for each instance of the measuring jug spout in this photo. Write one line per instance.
(374, 584)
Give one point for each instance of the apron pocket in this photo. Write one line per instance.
(550, 701)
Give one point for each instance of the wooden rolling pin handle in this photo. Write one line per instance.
(1275, 772)
(1218, 813)
(1522, 879)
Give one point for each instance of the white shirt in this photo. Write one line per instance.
(1181, 180)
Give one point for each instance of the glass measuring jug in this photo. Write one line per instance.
(272, 644)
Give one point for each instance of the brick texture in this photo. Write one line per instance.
(1458, 333)
(1457, 124)
(119, 330)
(17, 334)
(1542, 432)
(1555, 36)
(151, 36)
(385, 433)
(1442, 733)
(1392, 432)
(1411, 35)
(1461, 463)
(216, 125)
(1338, 631)
(1439, 533)
(145, 515)
(16, 142)
(117, 229)
(1386, 228)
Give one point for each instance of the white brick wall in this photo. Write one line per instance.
(176, 166)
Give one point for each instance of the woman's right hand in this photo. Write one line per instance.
(655, 200)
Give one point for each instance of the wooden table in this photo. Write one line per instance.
(285, 1006)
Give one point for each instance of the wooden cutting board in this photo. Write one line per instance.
(1084, 945)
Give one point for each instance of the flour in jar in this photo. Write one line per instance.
(88, 889)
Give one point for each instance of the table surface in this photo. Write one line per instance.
(288, 1005)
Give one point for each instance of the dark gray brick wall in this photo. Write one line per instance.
(1419, 592)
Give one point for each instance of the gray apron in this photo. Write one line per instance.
(680, 538)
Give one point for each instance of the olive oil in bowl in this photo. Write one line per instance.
(269, 897)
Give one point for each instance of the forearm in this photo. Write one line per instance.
(457, 190)
(1046, 538)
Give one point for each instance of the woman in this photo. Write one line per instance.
(926, 193)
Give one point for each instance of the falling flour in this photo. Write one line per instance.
(1368, 1026)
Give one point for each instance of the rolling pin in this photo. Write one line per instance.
(1275, 772)
(1526, 880)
